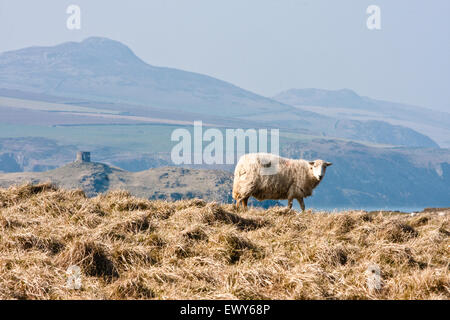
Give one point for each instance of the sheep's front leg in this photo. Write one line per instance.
(302, 203)
(237, 204)
(245, 201)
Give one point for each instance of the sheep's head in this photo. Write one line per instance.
(318, 168)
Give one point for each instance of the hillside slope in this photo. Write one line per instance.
(131, 248)
(160, 183)
(165, 183)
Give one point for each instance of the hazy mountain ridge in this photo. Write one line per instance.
(105, 70)
(382, 132)
(347, 104)
(100, 74)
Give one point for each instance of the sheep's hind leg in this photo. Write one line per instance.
(237, 204)
(290, 203)
(302, 203)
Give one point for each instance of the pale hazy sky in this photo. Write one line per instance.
(265, 46)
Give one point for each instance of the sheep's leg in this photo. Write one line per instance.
(290, 203)
(245, 201)
(237, 204)
(302, 203)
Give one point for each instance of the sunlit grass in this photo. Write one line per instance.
(131, 248)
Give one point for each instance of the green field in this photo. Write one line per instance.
(137, 137)
(49, 106)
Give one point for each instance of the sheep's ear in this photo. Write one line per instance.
(328, 164)
(311, 163)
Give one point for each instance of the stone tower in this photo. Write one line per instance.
(83, 156)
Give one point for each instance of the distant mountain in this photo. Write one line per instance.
(347, 104)
(320, 97)
(101, 81)
(104, 70)
(380, 132)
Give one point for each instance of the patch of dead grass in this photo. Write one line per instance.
(131, 248)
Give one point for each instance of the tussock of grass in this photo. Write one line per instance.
(131, 248)
(93, 257)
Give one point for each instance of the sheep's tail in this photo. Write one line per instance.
(236, 196)
(238, 187)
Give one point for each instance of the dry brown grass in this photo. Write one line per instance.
(130, 248)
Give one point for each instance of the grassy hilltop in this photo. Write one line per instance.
(131, 248)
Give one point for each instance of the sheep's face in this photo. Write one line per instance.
(318, 168)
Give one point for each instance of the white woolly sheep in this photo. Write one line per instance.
(267, 176)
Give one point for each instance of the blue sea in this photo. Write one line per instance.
(296, 206)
